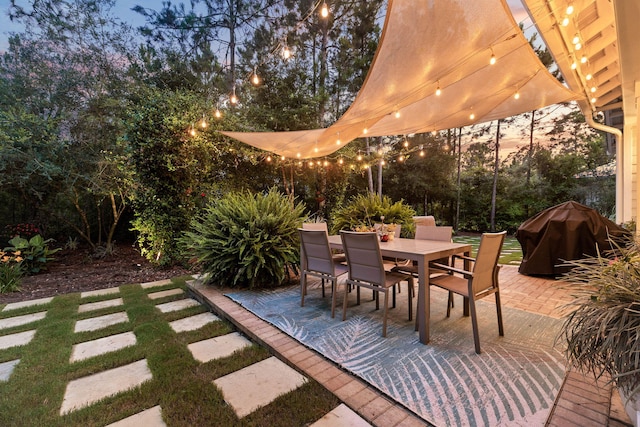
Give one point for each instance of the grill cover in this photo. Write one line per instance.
(568, 231)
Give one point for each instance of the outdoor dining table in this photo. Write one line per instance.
(421, 251)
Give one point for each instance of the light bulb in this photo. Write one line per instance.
(340, 161)
(438, 91)
(203, 123)
(268, 158)
(421, 153)
(401, 158)
(365, 131)
(576, 39)
(359, 157)
(315, 149)
(282, 157)
(298, 155)
(593, 89)
(255, 79)
(397, 114)
(565, 21)
(472, 116)
(382, 162)
(583, 59)
(588, 77)
(574, 65)
(233, 99)
(286, 53)
(570, 9)
(324, 11)
(593, 100)
(578, 46)
(218, 114)
(516, 95)
(325, 163)
(406, 143)
(493, 59)
(192, 131)
(338, 142)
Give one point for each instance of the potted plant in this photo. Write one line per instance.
(603, 331)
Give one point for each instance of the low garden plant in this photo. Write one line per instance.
(364, 210)
(35, 252)
(10, 271)
(246, 240)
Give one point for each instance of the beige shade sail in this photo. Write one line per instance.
(428, 45)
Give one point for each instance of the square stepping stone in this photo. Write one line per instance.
(152, 417)
(218, 347)
(10, 322)
(162, 294)
(156, 284)
(258, 385)
(6, 369)
(30, 303)
(14, 340)
(98, 292)
(95, 323)
(192, 323)
(100, 346)
(177, 305)
(87, 390)
(341, 416)
(99, 305)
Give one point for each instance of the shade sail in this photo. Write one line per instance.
(426, 45)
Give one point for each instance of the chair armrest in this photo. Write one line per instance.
(465, 273)
(466, 258)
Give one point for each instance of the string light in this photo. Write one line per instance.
(421, 151)
(282, 158)
(365, 131)
(588, 76)
(268, 158)
(286, 52)
(397, 114)
(576, 39)
(583, 59)
(574, 65)
(359, 157)
(472, 116)
(593, 100)
(217, 114)
(192, 132)
(565, 21)
(493, 59)
(338, 142)
(382, 162)
(340, 161)
(406, 143)
(324, 10)
(401, 158)
(438, 90)
(255, 79)
(233, 99)
(593, 89)
(570, 9)
(516, 95)
(325, 163)
(203, 123)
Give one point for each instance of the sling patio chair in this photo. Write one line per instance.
(475, 283)
(366, 269)
(317, 260)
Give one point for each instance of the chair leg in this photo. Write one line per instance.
(303, 288)
(410, 296)
(449, 306)
(323, 288)
(499, 310)
(386, 310)
(450, 300)
(474, 324)
(344, 305)
(393, 304)
(334, 291)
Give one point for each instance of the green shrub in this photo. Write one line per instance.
(35, 252)
(365, 210)
(246, 240)
(10, 272)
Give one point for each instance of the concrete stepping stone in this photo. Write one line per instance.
(100, 322)
(258, 385)
(341, 416)
(87, 390)
(10, 322)
(162, 294)
(100, 346)
(29, 303)
(6, 369)
(15, 340)
(92, 306)
(218, 347)
(177, 305)
(151, 417)
(192, 323)
(156, 284)
(98, 292)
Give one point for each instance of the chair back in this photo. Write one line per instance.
(315, 226)
(363, 257)
(487, 261)
(425, 220)
(429, 232)
(316, 251)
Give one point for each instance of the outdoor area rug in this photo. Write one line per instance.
(513, 382)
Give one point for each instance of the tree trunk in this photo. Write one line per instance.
(369, 172)
(494, 190)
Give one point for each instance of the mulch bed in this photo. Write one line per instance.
(79, 271)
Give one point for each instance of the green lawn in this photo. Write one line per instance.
(511, 250)
(181, 385)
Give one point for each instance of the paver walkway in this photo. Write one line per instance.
(245, 390)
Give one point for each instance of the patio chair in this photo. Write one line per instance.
(337, 257)
(316, 254)
(366, 269)
(478, 282)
